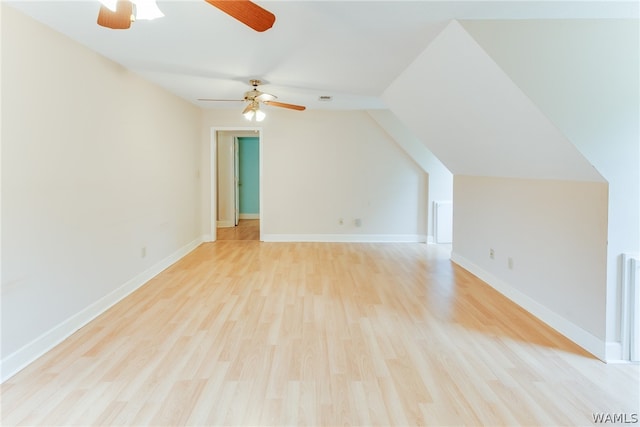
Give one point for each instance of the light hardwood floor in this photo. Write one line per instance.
(247, 229)
(250, 333)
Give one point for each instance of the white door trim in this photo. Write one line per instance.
(213, 168)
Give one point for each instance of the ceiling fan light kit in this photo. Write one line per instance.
(119, 10)
(253, 111)
(118, 14)
(147, 10)
(110, 4)
(253, 98)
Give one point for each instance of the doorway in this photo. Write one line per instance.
(236, 183)
(247, 229)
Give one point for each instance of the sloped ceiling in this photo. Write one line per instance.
(351, 50)
(475, 115)
(583, 74)
(407, 141)
(476, 120)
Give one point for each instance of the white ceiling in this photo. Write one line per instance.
(350, 50)
(476, 120)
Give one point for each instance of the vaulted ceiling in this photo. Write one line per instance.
(350, 50)
(476, 120)
(502, 88)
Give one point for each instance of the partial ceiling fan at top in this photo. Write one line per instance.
(118, 14)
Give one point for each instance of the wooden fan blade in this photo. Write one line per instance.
(283, 105)
(118, 20)
(246, 12)
(247, 108)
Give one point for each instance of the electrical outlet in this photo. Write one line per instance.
(357, 222)
(510, 263)
(341, 221)
(492, 253)
(143, 251)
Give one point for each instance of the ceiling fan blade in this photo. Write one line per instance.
(247, 108)
(118, 20)
(246, 12)
(221, 100)
(283, 105)
(265, 97)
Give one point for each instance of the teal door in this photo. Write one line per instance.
(249, 165)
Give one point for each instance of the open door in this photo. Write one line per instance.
(236, 178)
(227, 190)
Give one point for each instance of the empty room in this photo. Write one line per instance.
(320, 213)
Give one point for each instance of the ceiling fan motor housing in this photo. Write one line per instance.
(252, 94)
(253, 97)
(256, 95)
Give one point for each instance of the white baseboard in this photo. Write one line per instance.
(430, 239)
(225, 224)
(249, 216)
(584, 339)
(614, 353)
(346, 238)
(26, 355)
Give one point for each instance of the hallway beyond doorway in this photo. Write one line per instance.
(247, 229)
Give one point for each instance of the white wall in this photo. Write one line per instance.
(1, 9)
(584, 75)
(440, 179)
(554, 231)
(97, 164)
(480, 124)
(320, 166)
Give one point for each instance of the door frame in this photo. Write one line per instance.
(213, 169)
(236, 179)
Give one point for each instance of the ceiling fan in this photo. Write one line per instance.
(118, 14)
(254, 97)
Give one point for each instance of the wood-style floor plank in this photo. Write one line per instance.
(250, 333)
(247, 229)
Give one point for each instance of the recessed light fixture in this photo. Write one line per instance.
(325, 98)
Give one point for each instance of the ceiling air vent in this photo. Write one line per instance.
(325, 98)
